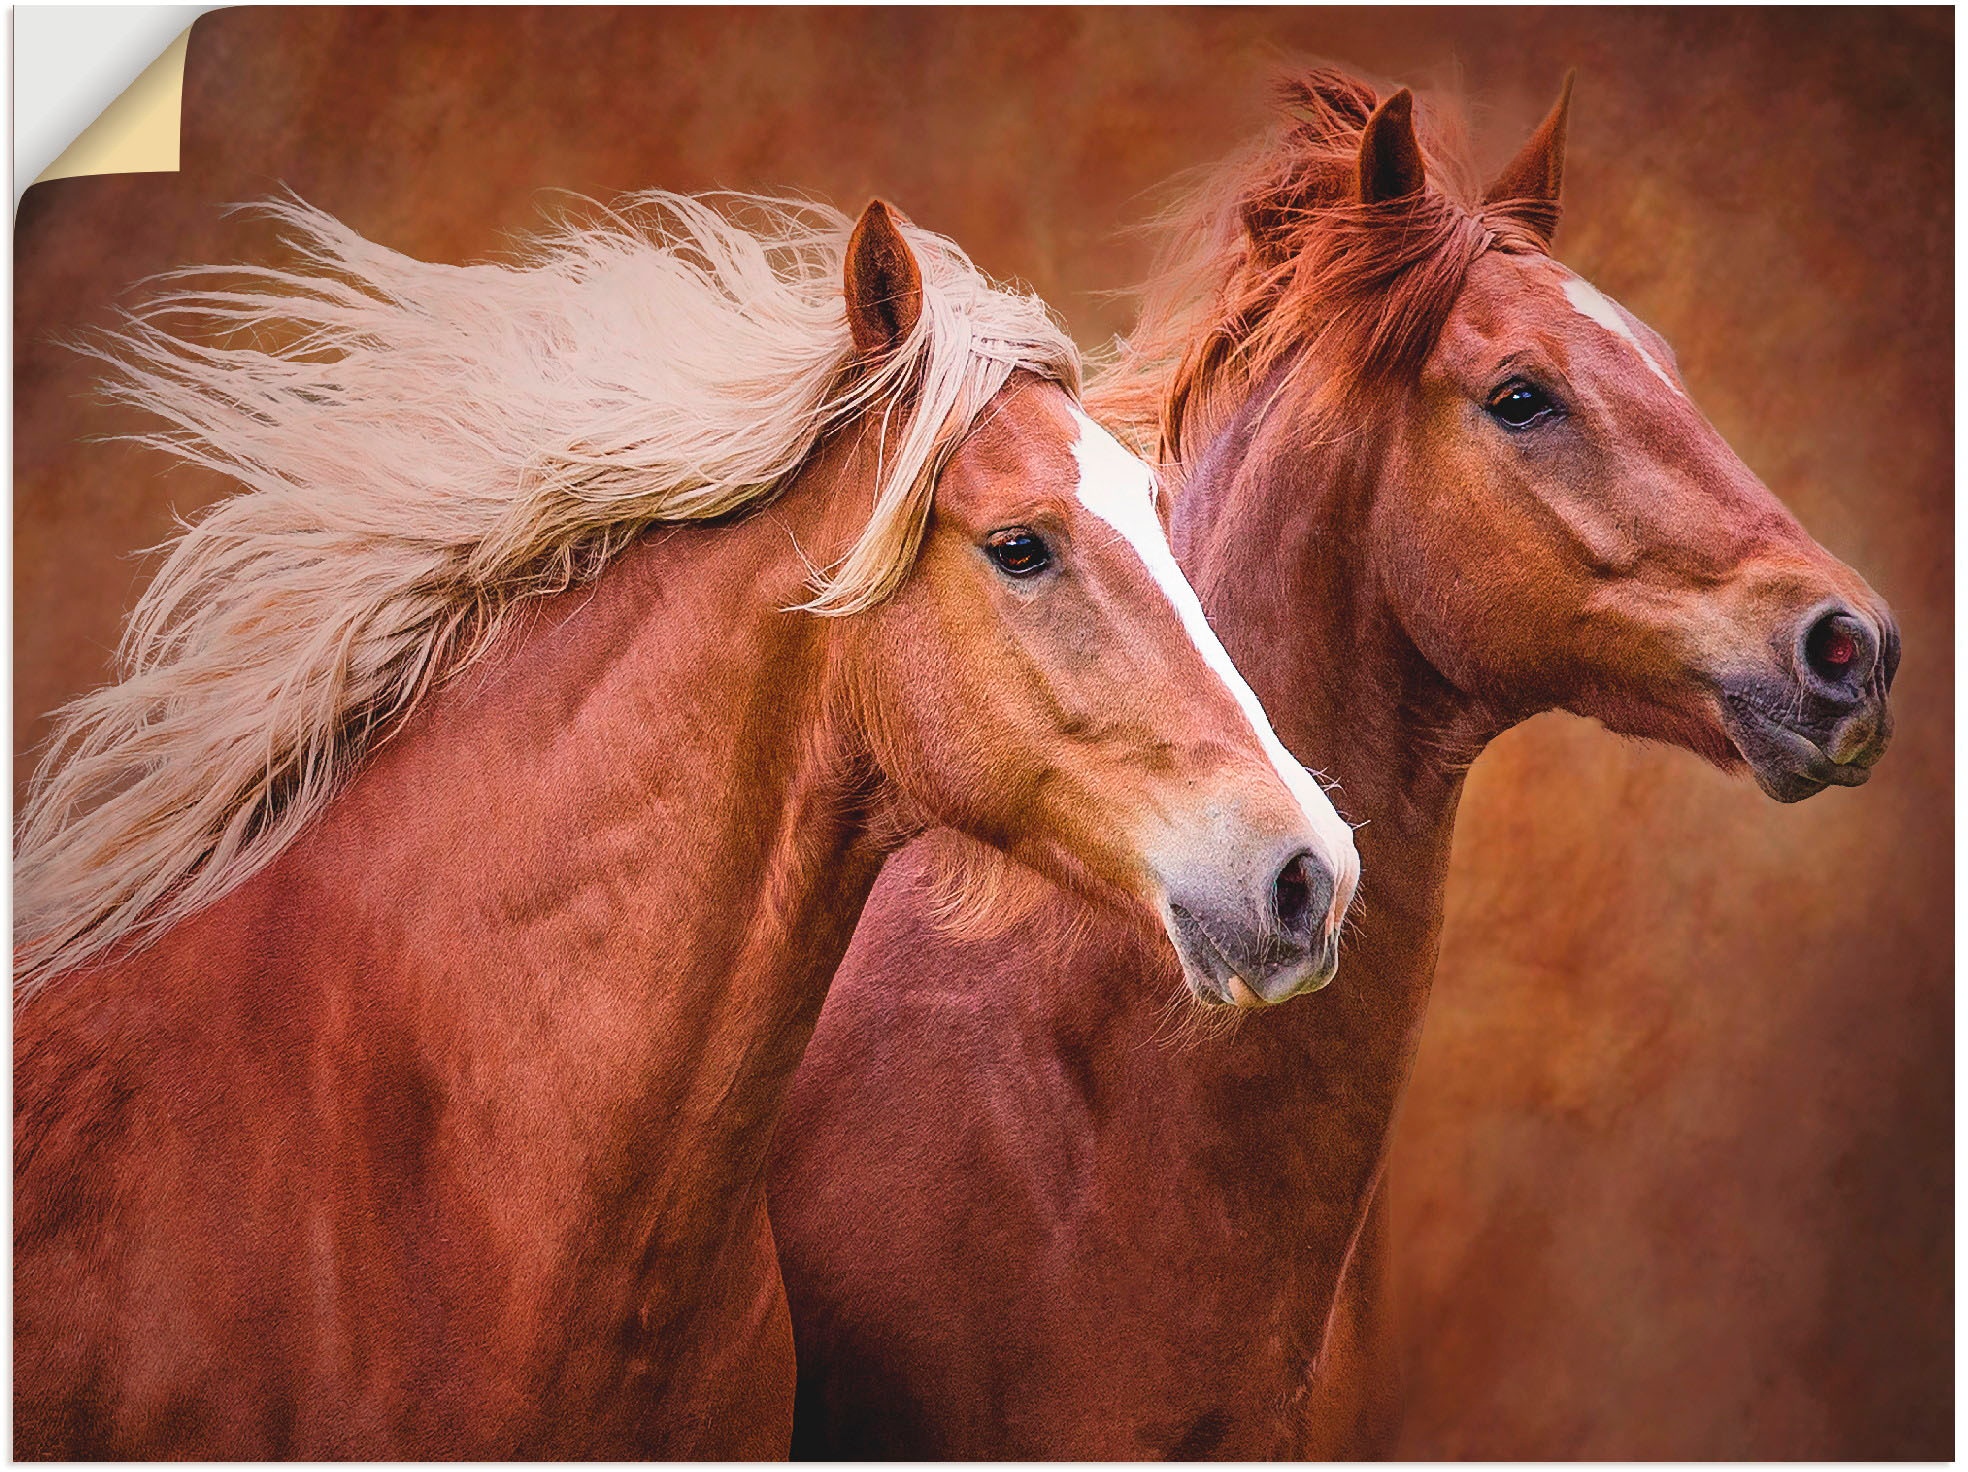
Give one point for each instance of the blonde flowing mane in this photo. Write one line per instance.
(421, 448)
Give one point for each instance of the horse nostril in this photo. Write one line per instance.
(1838, 648)
(1299, 897)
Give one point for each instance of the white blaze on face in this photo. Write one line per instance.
(1119, 489)
(1589, 301)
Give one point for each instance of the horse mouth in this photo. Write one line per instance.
(1216, 981)
(1789, 764)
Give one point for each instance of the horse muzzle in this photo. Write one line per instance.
(1257, 943)
(1820, 718)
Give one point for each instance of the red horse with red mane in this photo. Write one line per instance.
(1431, 483)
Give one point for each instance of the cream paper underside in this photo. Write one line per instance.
(138, 132)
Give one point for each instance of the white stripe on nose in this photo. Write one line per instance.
(1119, 488)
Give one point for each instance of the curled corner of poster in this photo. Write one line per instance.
(138, 132)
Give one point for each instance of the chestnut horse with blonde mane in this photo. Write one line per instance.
(1431, 483)
(418, 943)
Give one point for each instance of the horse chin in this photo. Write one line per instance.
(1213, 981)
(1788, 765)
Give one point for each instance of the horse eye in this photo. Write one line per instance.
(1519, 405)
(1018, 551)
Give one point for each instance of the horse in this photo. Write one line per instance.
(1430, 483)
(416, 945)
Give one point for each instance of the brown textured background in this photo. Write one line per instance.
(1675, 1175)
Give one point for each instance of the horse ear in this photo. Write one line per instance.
(1390, 154)
(883, 282)
(1527, 190)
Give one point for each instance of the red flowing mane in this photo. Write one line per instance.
(1276, 256)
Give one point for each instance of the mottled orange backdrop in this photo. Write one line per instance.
(1675, 1174)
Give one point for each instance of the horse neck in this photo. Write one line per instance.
(1277, 536)
(589, 901)
(712, 849)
